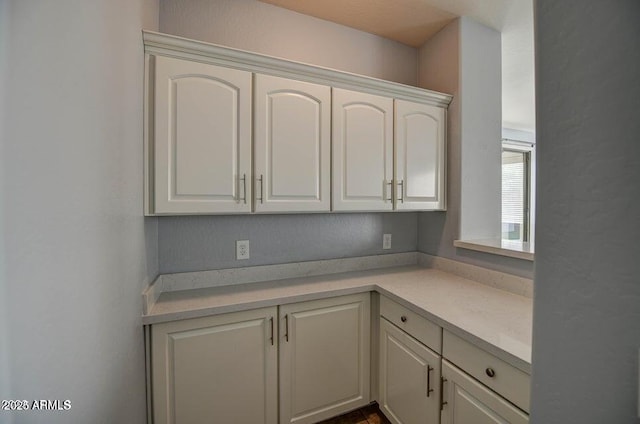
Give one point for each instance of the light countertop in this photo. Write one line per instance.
(495, 320)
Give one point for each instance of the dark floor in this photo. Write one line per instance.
(370, 414)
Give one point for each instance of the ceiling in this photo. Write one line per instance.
(412, 22)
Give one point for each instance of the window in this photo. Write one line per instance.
(517, 189)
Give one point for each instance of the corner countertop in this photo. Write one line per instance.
(495, 320)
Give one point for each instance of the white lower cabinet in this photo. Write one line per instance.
(219, 369)
(324, 358)
(409, 378)
(305, 362)
(224, 368)
(469, 402)
(417, 384)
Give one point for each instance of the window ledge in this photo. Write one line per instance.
(513, 249)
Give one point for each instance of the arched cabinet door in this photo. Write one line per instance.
(362, 151)
(221, 368)
(292, 144)
(201, 144)
(420, 156)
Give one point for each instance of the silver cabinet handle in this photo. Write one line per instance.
(286, 327)
(401, 184)
(429, 389)
(442, 401)
(261, 189)
(244, 189)
(271, 338)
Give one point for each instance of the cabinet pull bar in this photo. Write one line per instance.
(401, 184)
(286, 327)
(271, 338)
(429, 389)
(244, 190)
(442, 401)
(261, 189)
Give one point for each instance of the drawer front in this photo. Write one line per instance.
(506, 380)
(416, 326)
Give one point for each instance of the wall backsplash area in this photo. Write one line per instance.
(197, 243)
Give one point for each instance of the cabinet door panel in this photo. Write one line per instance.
(202, 145)
(222, 367)
(362, 151)
(292, 145)
(324, 364)
(409, 378)
(469, 402)
(420, 156)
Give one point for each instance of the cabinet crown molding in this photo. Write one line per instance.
(173, 46)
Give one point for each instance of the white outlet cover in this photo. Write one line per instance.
(242, 249)
(386, 241)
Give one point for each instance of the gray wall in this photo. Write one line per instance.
(200, 243)
(267, 29)
(586, 329)
(4, 317)
(477, 148)
(77, 251)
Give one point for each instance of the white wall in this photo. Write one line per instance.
(586, 329)
(264, 28)
(77, 250)
(481, 128)
(466, 54)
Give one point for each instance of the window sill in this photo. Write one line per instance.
(512, 249)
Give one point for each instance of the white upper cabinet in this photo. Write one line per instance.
(420, 156)
(362, 154)
(201, 144)
(223, 137)
(292, 145)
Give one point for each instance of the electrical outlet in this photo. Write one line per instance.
(242, 249)
(386, 241)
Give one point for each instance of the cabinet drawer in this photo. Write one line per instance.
(498, 375)
(413, 324)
